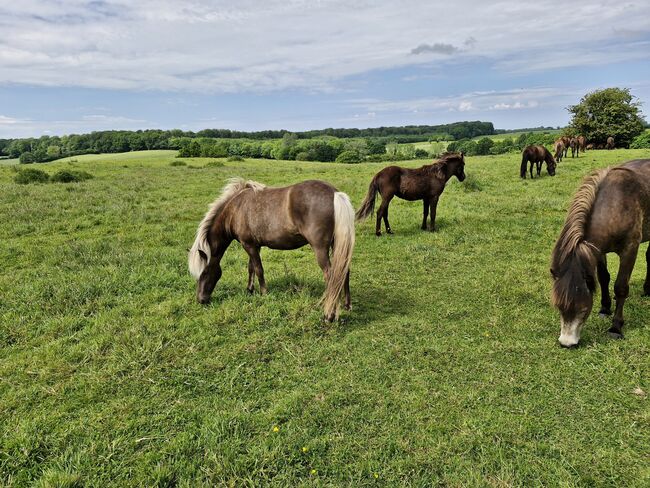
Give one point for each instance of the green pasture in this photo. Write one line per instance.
(447, 371)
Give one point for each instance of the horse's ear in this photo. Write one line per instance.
(462, 155)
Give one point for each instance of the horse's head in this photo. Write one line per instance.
(573, 292)
(550, 164)
(456, 165)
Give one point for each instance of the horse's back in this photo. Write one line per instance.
(622, 206)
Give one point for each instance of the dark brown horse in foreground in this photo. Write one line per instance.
(609, 213)
(312, 212)
(536, 155)
(426, 183)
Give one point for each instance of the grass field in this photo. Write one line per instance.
(447, 372)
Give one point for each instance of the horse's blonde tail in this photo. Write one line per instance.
(341, 254)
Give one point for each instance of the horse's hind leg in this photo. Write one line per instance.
(646, 285)
(622, 288)
(382, 213)
(539, 168)
(532, 164)
(425, 214)
(255, 261)
(603, 279)
(346, 287)
(388, 229)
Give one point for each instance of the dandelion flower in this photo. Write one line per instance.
(305, 449)
(276, 428)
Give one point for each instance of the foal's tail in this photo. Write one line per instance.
(368, 204)
(341, 254)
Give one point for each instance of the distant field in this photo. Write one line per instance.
(514, 135)
(447, 371)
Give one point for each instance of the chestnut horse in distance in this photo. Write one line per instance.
(426, 183)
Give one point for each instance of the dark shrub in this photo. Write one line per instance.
(31, 175)
(178, 163)
(349, 157)
(67, 176)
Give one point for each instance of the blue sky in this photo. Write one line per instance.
(72, 66)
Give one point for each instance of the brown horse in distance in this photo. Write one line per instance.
(426, 183)
(582, 143)
(312, 212)
(610, 143)
(610, 213)
(536, 155)
(566, 140)
(573, 144)
(559, 151)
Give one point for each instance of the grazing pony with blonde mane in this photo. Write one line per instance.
(312, 212)
(610, 212)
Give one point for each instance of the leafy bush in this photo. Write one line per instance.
(349, 157)
(421, 153)
(641, 142)
(31, 175)
(215, 164)
(26, 158)
(178, 163)
(67, 176)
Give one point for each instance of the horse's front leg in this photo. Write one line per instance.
(256, 261)
(433, 208)
(539, 168)
(646, 284)
(211, 274)
(622, 288)
(425, 213)
(603, 279)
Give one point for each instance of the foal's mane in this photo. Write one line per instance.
(438, 168)
(572, 253)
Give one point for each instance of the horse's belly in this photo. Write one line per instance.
(286, 244)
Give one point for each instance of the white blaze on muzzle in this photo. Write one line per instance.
(570, 331)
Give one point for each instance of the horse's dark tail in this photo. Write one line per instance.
(368, 204)
(522, 170)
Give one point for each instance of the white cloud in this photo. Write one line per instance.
(267, 45)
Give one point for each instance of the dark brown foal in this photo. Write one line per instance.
(426, 183)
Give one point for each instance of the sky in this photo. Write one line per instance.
(72, 66)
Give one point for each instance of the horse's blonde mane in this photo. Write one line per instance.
(196, 261)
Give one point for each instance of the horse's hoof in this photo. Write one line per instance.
(615, 335)
(378, 234)
(389, 231)
(250, 290)
(604, 313)
(348, 307)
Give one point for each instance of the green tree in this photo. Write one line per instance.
(610, 112)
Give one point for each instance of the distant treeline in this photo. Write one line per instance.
(485, 145)
(47, 148)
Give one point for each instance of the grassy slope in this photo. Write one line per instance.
(447, 371)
